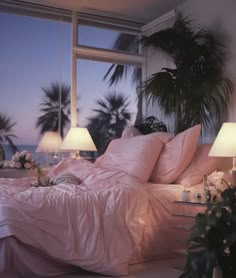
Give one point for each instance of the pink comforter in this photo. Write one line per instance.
(97, 225)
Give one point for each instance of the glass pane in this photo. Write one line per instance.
(92, 87)
(34, 53)
(108, 39)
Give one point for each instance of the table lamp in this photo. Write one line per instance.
(225, 145)
(78, 139)
(50, 144)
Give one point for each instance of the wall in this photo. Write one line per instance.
(219, 16)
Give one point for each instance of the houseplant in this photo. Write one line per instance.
(194, 90)
(213, 239)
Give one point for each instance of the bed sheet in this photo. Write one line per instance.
(95, 225)
(108, 221)
(158, 241)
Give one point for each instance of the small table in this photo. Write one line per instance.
(17, 173)
(184, 214)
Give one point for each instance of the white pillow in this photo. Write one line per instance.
(201, 165)
(136, 155)
(176, 156)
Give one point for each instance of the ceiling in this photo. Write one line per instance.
(142, 11)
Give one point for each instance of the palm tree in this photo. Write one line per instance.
(49, 119)
(99, 134)
(111, 118)
(127, 43)
(6, 126)
(195, 89)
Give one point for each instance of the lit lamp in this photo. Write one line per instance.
(225, 145)
(50, 143)
(78, 139)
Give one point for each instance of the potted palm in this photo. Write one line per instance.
(194, 89)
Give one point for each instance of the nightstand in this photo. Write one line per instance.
(184, 213)
(17, 173)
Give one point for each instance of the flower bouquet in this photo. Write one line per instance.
(22, 160)
(214, 185)
(213, 240)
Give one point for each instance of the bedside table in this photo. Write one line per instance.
(184, 213)
(17, 173)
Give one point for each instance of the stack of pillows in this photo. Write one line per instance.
(161, 157)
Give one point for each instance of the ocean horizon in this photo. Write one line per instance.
(39, 158)
(31, 148)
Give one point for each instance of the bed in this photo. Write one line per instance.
(113, 213)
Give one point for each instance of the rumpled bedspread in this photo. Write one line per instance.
(96, 225)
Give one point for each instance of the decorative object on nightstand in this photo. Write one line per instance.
(225, 145)
(50, 144)
(185, 195)
(78, 139)
(21, 165)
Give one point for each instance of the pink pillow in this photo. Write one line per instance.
(201, 165)
(130, 131)
(137, 155)
(176, 156)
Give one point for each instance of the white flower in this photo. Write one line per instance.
(27, 165)
(227, 250)
(216, 184)
(28, 156)
(23, 160)
(12, 164)
(213, 191)
(216, 178)
(17, 165)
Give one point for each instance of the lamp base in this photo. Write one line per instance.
(75, 155)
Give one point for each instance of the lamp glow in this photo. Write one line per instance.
(225, 144)
(78, 139)
(50, 142)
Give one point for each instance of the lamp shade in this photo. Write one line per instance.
(50, 142)
(78, 139)
(225, 142)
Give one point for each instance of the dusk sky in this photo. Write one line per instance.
(36, 52)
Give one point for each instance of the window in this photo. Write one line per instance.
(34, 53)
(108, 39)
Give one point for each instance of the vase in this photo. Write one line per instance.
(217, 273)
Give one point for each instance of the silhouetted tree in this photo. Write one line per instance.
(49, 118)
(6, 135)
(111, 118)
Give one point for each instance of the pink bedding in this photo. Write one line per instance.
(101, 225)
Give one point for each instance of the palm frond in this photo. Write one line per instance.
(195, 89)
(48, 120)
(112, 116)
(6, 128)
